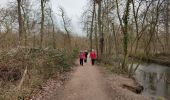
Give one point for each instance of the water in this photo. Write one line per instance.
(154, 78)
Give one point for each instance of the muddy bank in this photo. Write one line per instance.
(161, 59)
(123, 87)
(120, 91)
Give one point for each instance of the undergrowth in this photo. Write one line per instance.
(41, 65)
(112, 64)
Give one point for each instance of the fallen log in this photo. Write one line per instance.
(136, 89)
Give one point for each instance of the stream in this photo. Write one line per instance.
(155, 79)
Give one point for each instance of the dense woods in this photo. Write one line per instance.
(32, 46)
(128, 27)
(26, 24)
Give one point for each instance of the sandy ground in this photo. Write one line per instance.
(86, 84)
(90, 83)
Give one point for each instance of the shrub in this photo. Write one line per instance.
(41, 64)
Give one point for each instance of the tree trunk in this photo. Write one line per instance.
(20, 21)
(96, 37)
(124, 29)
(53, 34)
(91, 31)
(100, 29)
(167, 26)
(66, 23)
(125, 33)
(115, 39)
(25, 27)
(42, 23)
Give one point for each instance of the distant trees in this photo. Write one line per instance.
(23, 23)
(130, 27)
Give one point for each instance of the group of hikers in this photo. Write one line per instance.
(84, 54)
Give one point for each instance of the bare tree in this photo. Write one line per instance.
(124, 26)
(67, 25)
(53, 26)
(92, 21)
(101, 39)
(43, 2)
(20, 21)
(167, 19)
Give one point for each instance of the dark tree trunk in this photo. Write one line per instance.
(91, 30)
(42, 23)
(20, 21)
(167, 26)
(100, 29)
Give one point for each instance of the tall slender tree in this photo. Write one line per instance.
(101, 39)
(92, 22)
(67, 25)
(20, 21)
(124, 27)
(167, 19)
(42, 23)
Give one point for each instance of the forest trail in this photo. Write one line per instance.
(90, 83)
(87, 83)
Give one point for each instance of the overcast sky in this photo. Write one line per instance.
(73, 8)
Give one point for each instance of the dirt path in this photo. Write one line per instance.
(87, 83)
(90, 83)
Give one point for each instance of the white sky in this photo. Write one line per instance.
(73, 8)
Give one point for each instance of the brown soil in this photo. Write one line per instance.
(89, 83)
(120, 93)
(86, 84)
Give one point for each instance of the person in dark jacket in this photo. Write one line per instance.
(86, 54)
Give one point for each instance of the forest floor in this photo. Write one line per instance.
(89, 83)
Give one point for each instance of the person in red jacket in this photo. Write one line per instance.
(93, 56)
(81, 57)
